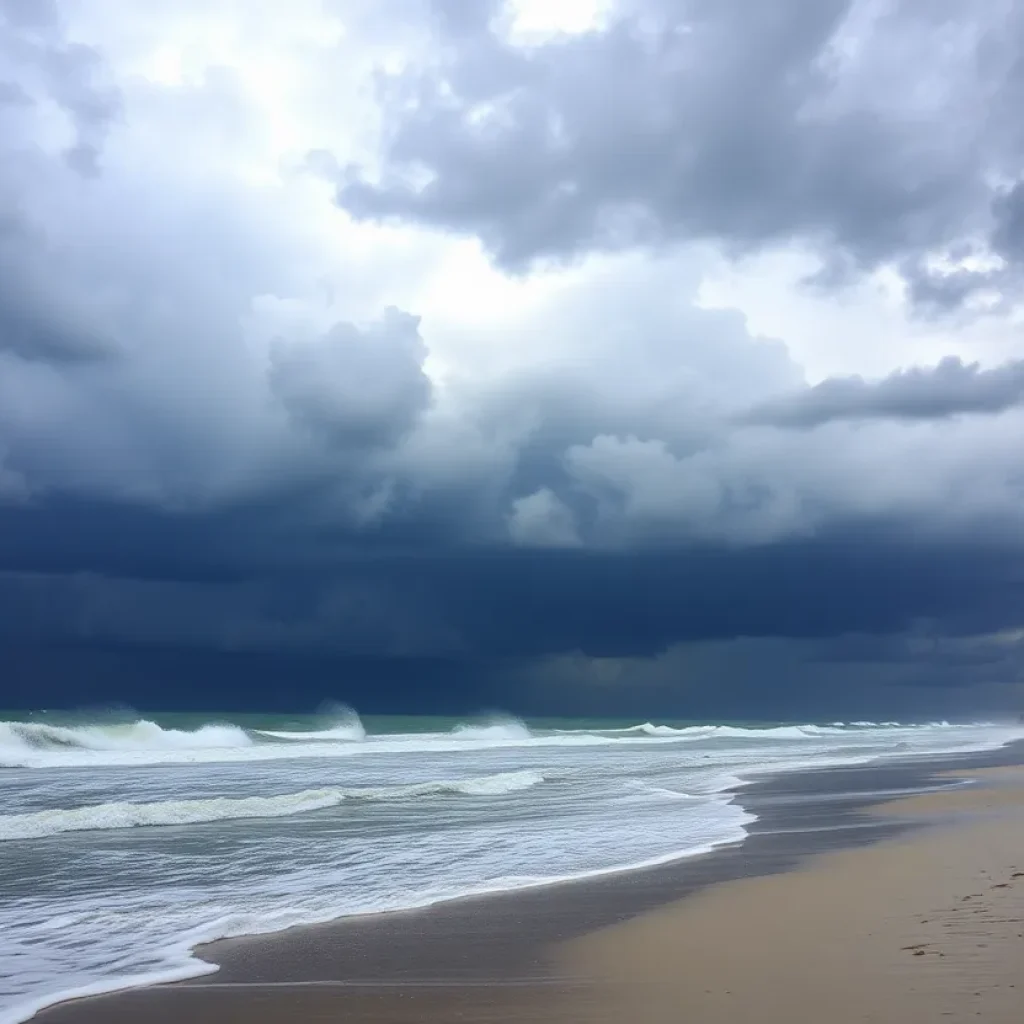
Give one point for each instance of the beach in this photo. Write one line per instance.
(511, 511)
(917, 929)
(866, 893)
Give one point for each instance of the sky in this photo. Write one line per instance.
(564, 356)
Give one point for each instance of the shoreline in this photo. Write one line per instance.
(499, 941)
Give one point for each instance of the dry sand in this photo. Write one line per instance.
(916, 931)
(927, 927)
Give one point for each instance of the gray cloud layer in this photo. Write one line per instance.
(872, 132)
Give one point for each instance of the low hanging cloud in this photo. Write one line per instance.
(952, 388)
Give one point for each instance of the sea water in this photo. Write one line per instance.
(125, 843)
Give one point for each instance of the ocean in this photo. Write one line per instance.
(125, 842)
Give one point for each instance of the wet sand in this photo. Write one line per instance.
(834, 910)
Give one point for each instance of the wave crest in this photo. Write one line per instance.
(340, 733)
(500, 728)
(141, 735)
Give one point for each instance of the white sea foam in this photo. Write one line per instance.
(174, 959)
(343, 733)
(126, 814)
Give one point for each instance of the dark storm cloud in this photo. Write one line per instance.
(852, 677)
(256, 580)
(952, 388)
(860, 129)
(636, 605)
(229, 616)
(934, 659)
(217, 680)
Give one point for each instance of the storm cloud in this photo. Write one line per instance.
(579, 359)
(949, 389)
(872, 132)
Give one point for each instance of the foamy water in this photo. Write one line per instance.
(122, 845)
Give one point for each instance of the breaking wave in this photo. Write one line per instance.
(40, 744)
(141, 735)
(125, 814)
(37, 744)
(501, 729)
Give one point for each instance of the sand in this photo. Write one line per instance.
(920, 929)
(920, 926)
